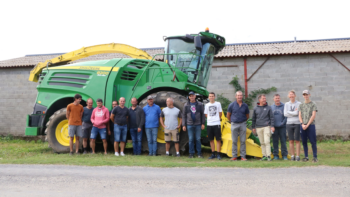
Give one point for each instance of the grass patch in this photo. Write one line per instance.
(14, 151)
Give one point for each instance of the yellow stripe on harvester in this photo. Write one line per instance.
(87, 68)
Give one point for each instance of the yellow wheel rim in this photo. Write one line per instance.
(160, 136)
(62, 135)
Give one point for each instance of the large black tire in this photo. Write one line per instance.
(50, 132)
(160, 100)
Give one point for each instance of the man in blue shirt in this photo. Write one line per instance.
(238, 114)
(152, 115)
(280, 128)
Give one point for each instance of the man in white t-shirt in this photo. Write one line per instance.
(213, 112)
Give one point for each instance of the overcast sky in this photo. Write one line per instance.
(40, 27)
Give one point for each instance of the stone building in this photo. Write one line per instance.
(321, 66)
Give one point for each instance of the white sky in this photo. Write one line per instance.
(39, 27)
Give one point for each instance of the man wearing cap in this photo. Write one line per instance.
(152, 115)
(193, 121)
(307, 115)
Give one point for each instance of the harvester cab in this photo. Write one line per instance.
(193, 54)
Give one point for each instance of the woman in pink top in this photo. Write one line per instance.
(99, 119)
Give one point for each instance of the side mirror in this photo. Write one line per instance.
(198, 43)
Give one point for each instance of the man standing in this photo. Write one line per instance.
(74, 115)
(171, 125)
(99, 119)
(87, 124)
(213, 112)
(120, 115)
(280, 128)
(110, 124)
(152, 114)
(194, 122)
(262, 123)
(307, 115)
(291, 111)
(136, 122)
(238, 114)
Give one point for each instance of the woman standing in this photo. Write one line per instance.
(293, 125)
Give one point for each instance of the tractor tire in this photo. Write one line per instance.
(160, 99)
(57, 132)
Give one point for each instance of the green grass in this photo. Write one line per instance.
(14, 151)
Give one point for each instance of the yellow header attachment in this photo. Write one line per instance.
(86, 52)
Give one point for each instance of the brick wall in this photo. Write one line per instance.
(328, 81)
(17, 97)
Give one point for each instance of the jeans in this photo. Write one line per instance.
(310, 133)
(151, 134)
(279, 134)
(136, 138)
(241, 130)
(120, 133)
(194, 132)
(95, 131)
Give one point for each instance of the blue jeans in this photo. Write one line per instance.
(309, 133)
(151, 134)
(136, 140)
(279, 135)
(120, 133)
(194, 133)
(95, 131)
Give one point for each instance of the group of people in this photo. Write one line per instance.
(298, 119)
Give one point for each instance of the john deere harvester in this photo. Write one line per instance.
(186, 65)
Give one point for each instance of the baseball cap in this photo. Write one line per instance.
(149, 97)
(191, 93)
(306, 92)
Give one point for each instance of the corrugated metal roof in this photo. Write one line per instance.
(231, 50)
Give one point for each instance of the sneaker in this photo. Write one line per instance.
(122, 154)
(297, 158)
(177, 154)
(85, 152)
(167, 154)
(190, 156)
(212, 156)
(268, 158)
(314, 160)
(218, 157)
(243, 159)
(233, 159)
(276, 158)
(154, 154)
(263, 158)
(116, 154)
(306, 159)
(292, 158)
(285, 158)
(71, 153)
(200, 156)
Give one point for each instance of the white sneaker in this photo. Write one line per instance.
(116, 154)
(122, 154)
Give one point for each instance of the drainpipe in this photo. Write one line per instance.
(245, 77)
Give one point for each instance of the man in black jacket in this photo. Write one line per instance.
(262, 123)
(193, 120)
(136, 122)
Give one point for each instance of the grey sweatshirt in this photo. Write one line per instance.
(291, 111)
(262, 116)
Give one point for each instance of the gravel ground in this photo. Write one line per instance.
(58, 180)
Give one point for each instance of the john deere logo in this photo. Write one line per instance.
(102, 73)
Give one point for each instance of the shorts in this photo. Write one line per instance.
(75, 130)
(171, 133)
(87, 127)
(95, 131)
(120, 133)
(293, 131)
(214, 131)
